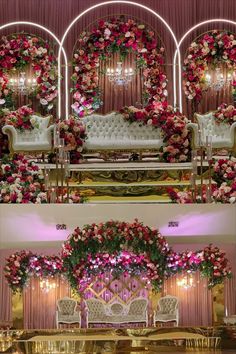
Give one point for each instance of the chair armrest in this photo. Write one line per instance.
(233, 133)
(9, 129)
(193, 127)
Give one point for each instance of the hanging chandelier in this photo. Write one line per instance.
(46, 285)
(186, 281)
(21, 84)
(218, 81)
(118, 76)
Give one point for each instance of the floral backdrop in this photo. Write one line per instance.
(117, 248)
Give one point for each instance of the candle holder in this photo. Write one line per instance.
(209, 159)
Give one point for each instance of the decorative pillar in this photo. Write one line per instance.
(17, 310)
(218, 301)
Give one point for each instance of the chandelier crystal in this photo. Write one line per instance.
(218, 81)
(21, 84)
(118, 76)
(186, 281)
(46, 285)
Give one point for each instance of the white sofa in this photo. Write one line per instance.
(112, 132)
(99, 312)
(223, 135)
(37, 139)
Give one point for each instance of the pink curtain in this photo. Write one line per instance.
(195, 303)
(5, 294)
(40, 306)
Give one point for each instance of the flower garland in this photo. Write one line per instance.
(211, 262)
(113, 238)
(209, 49)
(21, 265)
(15, 54)
(73, 132)
(116, 264)
(172, 124)
(116, 35)
(225, 114)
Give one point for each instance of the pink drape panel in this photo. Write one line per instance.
(5, 294)
(40, 307)
(195, 304)
(180, 15)
(230, 284)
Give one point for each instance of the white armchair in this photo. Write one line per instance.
(168, 310)
(67, 312)
(37, 139)
(223, 135)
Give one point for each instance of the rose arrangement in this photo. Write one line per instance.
(17, 269)
(116, 264)
(21, 265)
(113, 238)
(21, 50)
(173, 127)
(224, 173)
(116, 35)
(215, 265)
(73, 132)
(224, 170)
(21, 181)
(207, 50)
(20, 119)
(225, 114)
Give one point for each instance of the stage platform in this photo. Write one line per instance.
(122, 340)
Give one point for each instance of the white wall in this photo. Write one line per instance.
(35, 225)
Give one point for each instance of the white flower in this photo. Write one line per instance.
(128, 34)
(43, 102)
(107, 33)
(2, 101)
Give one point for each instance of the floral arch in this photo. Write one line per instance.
(210, 48)
(116, 35)
(16, 52)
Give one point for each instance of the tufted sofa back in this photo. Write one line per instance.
(168, 304)
(113, 132)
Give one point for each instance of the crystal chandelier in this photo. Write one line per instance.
(218, 81)
(46, 285)
(118, 76)
(21, 84)
(186, 281)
